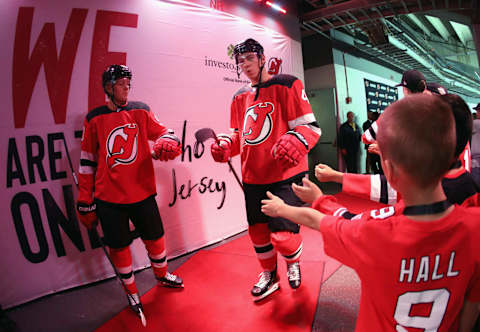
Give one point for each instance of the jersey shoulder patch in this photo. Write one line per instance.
(281, 79)
(137, 105)
(244, 89)
(98, 111)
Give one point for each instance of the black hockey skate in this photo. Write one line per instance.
(170, 280)
(136, 306)
(293, 274)
(266, 285)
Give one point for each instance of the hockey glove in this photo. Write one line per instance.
(87, 214)
(290, 149)
(221, 150)
(167, 147)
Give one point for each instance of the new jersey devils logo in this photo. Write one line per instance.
(122, 145)
(274, 66)
(258, 123)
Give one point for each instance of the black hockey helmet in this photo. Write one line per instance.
(249, 45)
(114, 73)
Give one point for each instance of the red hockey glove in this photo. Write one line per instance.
(167, 147)
(87, 214)
(221, 150)
(290, 149)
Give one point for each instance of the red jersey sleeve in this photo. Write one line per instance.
(370, 135)
(300, 115)
(154, 128)
(373, 187)
(88, 162)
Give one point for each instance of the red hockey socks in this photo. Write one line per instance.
(288, 244)
(158, 256)
(122, 259)
(266, 254)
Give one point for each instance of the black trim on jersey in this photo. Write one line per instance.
(86, 162)
(158, 261)
(456, 164)
(372, 133)
(131, 105)
(348, 215)
(383, 189)
(313, 124)
(434, 208)
(460, 188)
(267, 248)
(281, 79)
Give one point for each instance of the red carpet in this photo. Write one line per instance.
(217, 294)
(217, 298)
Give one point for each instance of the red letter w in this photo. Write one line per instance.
(58, 71)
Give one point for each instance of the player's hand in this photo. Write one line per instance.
(272, 206)
(373, 148)
(308, 192)
(87, 214)
(167, 147)
(289, 150)
(221, 150)
(325, 173)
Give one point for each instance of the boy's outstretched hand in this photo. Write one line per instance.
(308, 192)
(325, 173)
(272, 205)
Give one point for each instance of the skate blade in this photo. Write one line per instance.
(142, 318)
(272, 289)
(170, 286)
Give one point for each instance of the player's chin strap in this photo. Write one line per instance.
(112, 98)
(259, 81)
(434, 208)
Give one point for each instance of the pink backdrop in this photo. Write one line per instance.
(53, 54)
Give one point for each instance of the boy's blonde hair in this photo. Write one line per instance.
(417, 134)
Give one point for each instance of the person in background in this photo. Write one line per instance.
(365, 127)
(349, 142)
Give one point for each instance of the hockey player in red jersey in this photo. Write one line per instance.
(273, 128)
(117, 180)
(418, 260)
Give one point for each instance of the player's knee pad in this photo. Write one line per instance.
(155, 247)
(288, 244)
(121, 257)
(259, 233)
(266, 254)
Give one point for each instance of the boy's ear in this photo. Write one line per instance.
(390, 171)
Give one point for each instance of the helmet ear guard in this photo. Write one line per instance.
(114, 73)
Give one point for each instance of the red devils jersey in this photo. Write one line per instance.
(370, 136)
(281, 105)
(458, 187)
(414, 275)
(116, 157)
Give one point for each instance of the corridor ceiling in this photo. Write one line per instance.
(436, 37)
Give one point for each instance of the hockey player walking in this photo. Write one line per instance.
(117, 181)
(273, 129)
